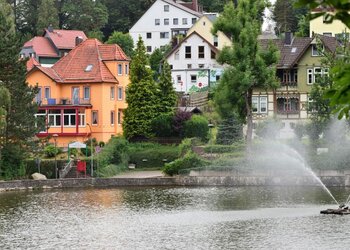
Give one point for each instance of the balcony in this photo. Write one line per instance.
(293, 84)
(63, 101)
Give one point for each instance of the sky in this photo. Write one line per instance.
(267, 20)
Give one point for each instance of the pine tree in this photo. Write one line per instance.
(48, 16)
(250, 66)
(167, 96)
(20, 120)
(140, 96)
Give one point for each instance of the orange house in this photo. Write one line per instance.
(83, 94)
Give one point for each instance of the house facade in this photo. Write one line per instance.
(164, 20)
(320, 26)
(204, 26)
(298, 68)
(193, 64)
(53, 45)
(83, 94)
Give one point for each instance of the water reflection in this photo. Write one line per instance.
(173, 218)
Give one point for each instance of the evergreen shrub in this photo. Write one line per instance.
(185, 164)
(197, 126)
(162, 125)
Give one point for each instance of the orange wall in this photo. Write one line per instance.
(100, 98)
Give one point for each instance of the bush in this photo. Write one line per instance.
(87, 151)
(110, 170)
(268, 129)
(197, 126)
(219, 149)
(151, 155)
(115, 152)
(47, 167)
(185, 146)
(51, 151)
(185, 164)
(162, 125)
(179, 120)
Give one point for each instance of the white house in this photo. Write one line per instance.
(193, 64)
(163, 20)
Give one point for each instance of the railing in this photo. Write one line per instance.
(63, 101)
(66, 169)
(289, 84)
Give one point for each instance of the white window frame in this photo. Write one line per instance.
(166, 8)
(120, 93)
(312, 74)
(112, 93)
(87, 95)
(120, 69)
(259, 103)
(193, 78)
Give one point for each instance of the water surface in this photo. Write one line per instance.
(173, 218)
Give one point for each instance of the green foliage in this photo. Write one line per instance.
(185, 164)
(124, 41)
(48, 16)
(300, 130)
(83, 15)
(197, 126)
(114, 153)
(95, 34)
(87, 151)
(141, 97)
(185, 146)
(5, 102)
(268, 129)
(166, 93)
(51, 151)
(151, 155)
(111, 170)
(229, 131)
(250, 66)
(155, 60)
(220, 149)
(47, 167)
(162, 125)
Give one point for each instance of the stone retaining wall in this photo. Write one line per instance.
(329, 181)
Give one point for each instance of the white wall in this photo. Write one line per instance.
(147, 24)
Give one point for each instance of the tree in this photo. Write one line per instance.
(86, 15)
(339, 93)
(140, 96)
(156, 59)
(20, 120)
(124, 41)
(283, 15)
(250, 66)
(166, 93)
(48, 16)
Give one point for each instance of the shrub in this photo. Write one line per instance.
(151, 155)
(268, 129)
(115, 152)
(197, 126)
(179, 120)
(229, 131)
(219, 149)
(185, 146)
(51, 151)
(162, 125)
(47, 167)
(185, 164)
(110, 170)
(87, 151)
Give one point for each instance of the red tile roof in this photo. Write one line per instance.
(41, 46)
(64, 39)
(85, 63)
(31, 63)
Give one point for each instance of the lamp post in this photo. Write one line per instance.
(92, 152)
(55, 139)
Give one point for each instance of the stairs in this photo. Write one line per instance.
(70, 171)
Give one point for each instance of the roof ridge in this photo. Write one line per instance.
(99, 58)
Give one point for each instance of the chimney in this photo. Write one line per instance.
(288, 38)
(78, 40)
(50, 28)
(195, 5)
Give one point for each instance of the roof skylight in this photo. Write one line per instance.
(88, 68)
(294, 50)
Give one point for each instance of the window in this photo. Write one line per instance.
(164, 35)
(175, 21)
(327, 33)
(188, 52)
(171, 66)
(88, 68)
(287, 104)
(69, 117)
(194, 20)
(216, 41)
(47, 92)
(75, 95)
(259, 104)
(177, 55)
(54, 118)
(94, 117)
(178, 77)
(193, 78)
(212, 54)
(314, 74)
(38, 96)
(126, 69)
(166, 21)
(149, 35)
(120, 69)
(189, 66)
(157, 21)
(166, 8)
(120, 116)
(315, 50)
(149, 48)
(112, 118)
(112, 93)
(184, 21)
(201, 66)
(200, 51)
(120, 93)
(86, 93)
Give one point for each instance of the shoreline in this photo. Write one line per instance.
(329, 178)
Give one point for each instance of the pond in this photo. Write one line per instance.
(173, 218)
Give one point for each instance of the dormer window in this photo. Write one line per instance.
(315, 50)
(88, 68)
